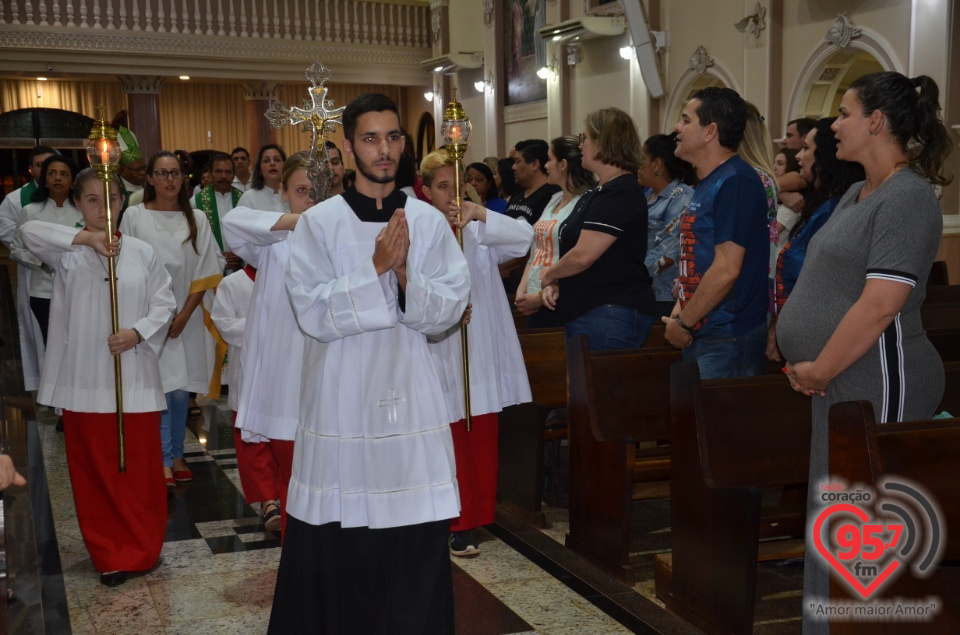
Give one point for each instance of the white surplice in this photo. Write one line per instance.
(273, 344)
(41, 278)
(498, 376)
(31, 338)
(264, 199)
(374, 447)
(186, 362)
(229, 314)
(78, 368)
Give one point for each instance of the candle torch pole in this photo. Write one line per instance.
(103, 152)
(456, 131)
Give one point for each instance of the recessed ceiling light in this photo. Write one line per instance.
(41, 79)
(184, 77)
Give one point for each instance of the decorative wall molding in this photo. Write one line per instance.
(188, 46)
(753, 23)
(593, 7)
(525, 112)
(263, 90)
(488, 11)
(141, 84)
(436, 25)
(842, 32)
(700, 61)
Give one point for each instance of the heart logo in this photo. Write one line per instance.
(845, 573)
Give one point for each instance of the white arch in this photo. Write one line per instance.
(869, 42)
(678, 94)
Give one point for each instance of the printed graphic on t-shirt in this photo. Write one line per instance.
(543, 239)
(689, 275)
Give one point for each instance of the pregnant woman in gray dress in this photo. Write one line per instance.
(851, 328)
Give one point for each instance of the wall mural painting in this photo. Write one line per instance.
(525, 51)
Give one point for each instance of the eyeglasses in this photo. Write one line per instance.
(583, 136)
(173, 174)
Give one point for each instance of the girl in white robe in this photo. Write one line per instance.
(498, 377)
(122, 516)
(185, 245)
(269, 409)
(265, 192)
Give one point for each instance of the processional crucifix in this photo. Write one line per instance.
(319, 117)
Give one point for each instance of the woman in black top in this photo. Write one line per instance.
(600, 286)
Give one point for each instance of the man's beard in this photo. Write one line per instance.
(382, 179)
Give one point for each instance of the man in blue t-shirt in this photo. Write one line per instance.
(720, 319)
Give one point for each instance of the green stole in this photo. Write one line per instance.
(26, 192)
(206, 201)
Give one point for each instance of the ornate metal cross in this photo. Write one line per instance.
(319, 117)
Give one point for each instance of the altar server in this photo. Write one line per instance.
(371, 274)
(269, 407)
(122, 516)
(185, 245)
(498, 377)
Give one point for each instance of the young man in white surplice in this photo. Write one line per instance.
(372, 273)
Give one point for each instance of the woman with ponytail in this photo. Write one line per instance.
(851, 328)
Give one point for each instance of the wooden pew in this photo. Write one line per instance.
(927, 453)
(729, 438)
(616, 398)
(523, 428)
(941, 294)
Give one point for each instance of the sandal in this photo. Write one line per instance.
(271, 516)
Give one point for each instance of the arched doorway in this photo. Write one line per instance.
(822, 98)
(716, 74)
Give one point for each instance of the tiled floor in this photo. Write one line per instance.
(219, 566)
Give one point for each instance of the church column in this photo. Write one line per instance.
(143, 110)
(258, 98)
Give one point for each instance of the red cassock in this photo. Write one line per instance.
(122, 516)
(476, 456)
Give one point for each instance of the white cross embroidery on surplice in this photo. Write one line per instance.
(392, 402)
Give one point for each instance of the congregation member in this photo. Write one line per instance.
(269, 407)
(784, 162)
(829, 178)
(530, 174)
(372, 273)
(720, 319)
(336, 165)
(498, 377)
(264, 191)
(132, 170)
(31, 338)
(851, 328)
(122, 516)
(756, 149)
(51, 202)
(789, 186)
(185, 246)
(480, 176)
(670, 180)
(241, 169)
(600, 286)
(565, 170)
(216, 200)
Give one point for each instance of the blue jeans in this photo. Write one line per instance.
(173, 426)
(729, 356)
(611, 327)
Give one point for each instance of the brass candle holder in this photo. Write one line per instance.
(456, 131)
(103, 152)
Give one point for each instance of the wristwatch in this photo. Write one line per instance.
(688, 329)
